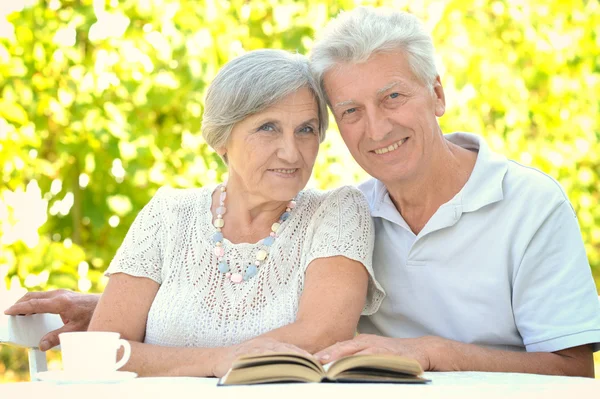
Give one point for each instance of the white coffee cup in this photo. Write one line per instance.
(92, 352)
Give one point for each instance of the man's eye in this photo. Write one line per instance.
(394, 95)
(349, 111)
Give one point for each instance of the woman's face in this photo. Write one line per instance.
(271, 154)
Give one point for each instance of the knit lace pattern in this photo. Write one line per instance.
(171, 243)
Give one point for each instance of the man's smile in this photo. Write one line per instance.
(391, 147)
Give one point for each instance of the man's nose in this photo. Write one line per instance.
(378, 124)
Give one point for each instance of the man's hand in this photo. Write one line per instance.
(225, 356)
(414, 348)
(75, 310)
(441, 354)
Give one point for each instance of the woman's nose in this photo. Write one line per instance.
(288, 150)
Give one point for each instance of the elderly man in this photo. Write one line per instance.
(481, 258)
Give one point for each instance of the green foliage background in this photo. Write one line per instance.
(101, 104)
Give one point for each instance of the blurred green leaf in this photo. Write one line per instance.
(13, 112)
(109, 107)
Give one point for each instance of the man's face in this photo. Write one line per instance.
(387, 117)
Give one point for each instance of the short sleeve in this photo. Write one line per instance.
(555, 302)
(343, 227)
(141, 253)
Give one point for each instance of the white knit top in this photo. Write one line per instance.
(171, 243)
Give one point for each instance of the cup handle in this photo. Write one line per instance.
(126, 353)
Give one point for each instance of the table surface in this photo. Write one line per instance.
(443, 385)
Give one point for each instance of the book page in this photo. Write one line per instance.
(265, 373)
(383, 363)
(278, 358)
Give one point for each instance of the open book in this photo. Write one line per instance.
(292, 367)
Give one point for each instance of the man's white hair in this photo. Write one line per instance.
(354, 36)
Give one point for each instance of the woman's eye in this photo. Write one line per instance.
(267, 127)
(307, 129)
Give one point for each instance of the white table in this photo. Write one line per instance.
(444, 385)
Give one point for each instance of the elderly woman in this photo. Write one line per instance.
(202, 272)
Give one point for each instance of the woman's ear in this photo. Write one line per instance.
(222, 151)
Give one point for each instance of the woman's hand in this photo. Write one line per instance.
(225, 356)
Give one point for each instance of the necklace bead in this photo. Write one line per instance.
(223, 267)
(219, 251)
(260, 256)
(251, 271)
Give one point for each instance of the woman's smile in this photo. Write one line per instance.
(285, 173)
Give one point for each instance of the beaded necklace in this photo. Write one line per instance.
(261, 254)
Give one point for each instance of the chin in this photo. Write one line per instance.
(283, 193)
(292, 193)
(388, 175)
(282, 189)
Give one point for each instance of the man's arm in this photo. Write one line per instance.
(576, 361)
(439, 354)
(555, 307)
(75, 310)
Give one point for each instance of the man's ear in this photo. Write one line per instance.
(439, 97)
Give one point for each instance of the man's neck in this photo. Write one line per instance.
(418, 198)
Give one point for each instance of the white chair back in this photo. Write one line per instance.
(26, 332)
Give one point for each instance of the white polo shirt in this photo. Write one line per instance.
(501, 265)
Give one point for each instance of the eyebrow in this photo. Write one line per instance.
(312, 120)
(387, 87)
(278, 122)
(379, 92)
(344, 103)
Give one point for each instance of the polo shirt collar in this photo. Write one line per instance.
(382, 205)
(484, 186)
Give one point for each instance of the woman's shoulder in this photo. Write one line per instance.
(171, 198)
(314, 194)
(343, 196)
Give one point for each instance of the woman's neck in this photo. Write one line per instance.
(248, 216)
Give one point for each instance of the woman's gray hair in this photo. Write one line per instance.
(354, 36)
(252, 83)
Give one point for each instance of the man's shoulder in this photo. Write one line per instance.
(371, 189)
(520, 182)
(367, 186)
(532, 186)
